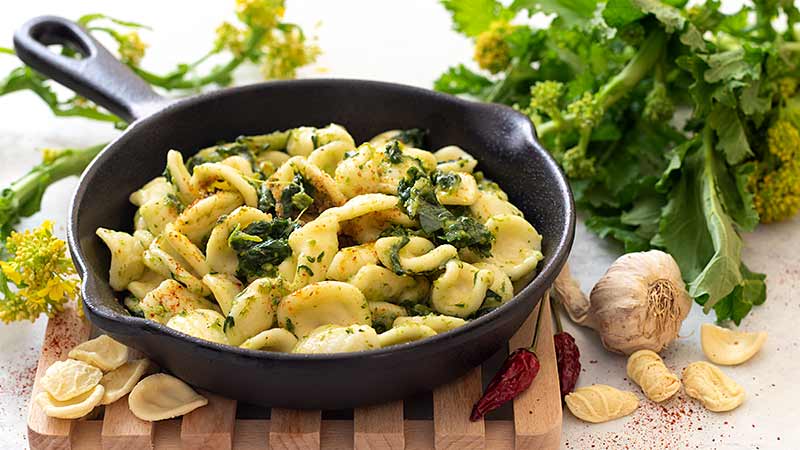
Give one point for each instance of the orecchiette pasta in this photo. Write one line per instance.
(462, 192)
(413, 254)
(338, 339)
(326, 302)
(102, 352)
(253, 310)
(300, 241)
(202, 323)
(163, 396)
(407, 333)
(171, 298)
(276, 340)
(120, 381)
(461, 289)
(517, 245)
(453, 159)
(126, 257)
(68, 379)
(73, 408)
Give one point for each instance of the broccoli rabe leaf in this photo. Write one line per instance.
(261, 246)
(752, 291)
(418, 200)
(297, 196)
(471, 17)
(572, 12)
(266, 202)
(460, 80)
(217, 154)
(698, 232)
(732, 139)
(413, 137)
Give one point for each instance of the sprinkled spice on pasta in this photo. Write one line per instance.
(299, 241)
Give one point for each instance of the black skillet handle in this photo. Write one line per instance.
(97, 75)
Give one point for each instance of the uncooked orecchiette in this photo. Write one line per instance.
(300, 241)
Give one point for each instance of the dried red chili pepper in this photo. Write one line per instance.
(516, 375)
(567, 355)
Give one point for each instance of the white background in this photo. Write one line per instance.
(411, 42)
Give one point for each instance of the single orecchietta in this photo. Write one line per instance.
(646, 369)
(601, 403)
(715, 390)
(727, 347)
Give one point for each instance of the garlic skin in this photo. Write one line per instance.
(567, 291)
(639, 304)
(647, 369)
(727, 347)
(715, 390)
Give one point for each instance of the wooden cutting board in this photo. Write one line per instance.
(536, 420)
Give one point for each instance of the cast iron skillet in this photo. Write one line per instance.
(503, 140)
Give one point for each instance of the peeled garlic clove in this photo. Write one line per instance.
(67, 379)
(162, 396)
(728, 347)
(73, 408)
(102, 352)
(121, 380)
(601, 403)
(646, 369)
(715, 390)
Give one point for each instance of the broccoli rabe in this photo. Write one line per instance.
(296, 197)
(261, 246)
(418, 200)
(777, 183)
(41, 273)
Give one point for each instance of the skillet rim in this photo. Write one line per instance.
(543, 278)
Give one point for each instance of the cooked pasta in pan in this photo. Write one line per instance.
(299, 241)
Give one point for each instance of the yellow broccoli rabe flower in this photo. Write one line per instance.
(286, 52)
(229, 37)
(42, 274)
(131, 48)
(492, 52)
(777, 192)
(260, 13)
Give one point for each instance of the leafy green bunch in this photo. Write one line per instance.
(260, 37)
(678, 126)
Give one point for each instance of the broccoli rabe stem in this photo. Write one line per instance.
(219, 74)
(21, 198)
(637, 68)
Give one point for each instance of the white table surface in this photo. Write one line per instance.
(412, 44)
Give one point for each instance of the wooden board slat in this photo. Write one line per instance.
(121, 429)
(538, 410)
(210, 427)
(294, 429)
(452, 404)
(63, 332)
(379, 427)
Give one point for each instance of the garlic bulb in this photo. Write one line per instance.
(727, 347)
(638, 304)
